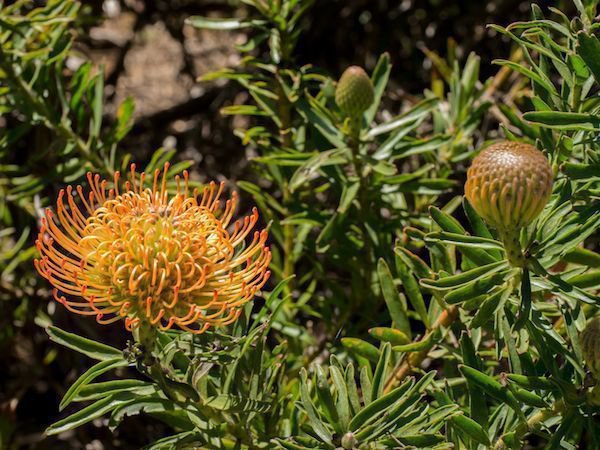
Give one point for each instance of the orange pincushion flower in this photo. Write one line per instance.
(138, 253)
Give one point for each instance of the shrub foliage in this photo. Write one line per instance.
(395, 316)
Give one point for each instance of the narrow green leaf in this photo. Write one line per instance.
(478, 287)
(361, 348)
(380, 77)
(417, 346)
(463, 240)
(342, 400)
(311, 411)
(451, 225)
(209, 23)
(390, 335)
(87, 414)
(89, 375)
(489, 307)
(493, 388)
(379, 406)
(392, 298)
(380, 374)
(138, 406)
(455, 281)
(564, 120)
(588, 47)
(93, 349)
(413, 292)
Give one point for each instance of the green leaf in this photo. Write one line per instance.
(379, 406)
(139, 406)
(480, 286)
(460, 279)
(348, 195)
(361, 348)
(97, 105)
(94, 391)
(390, 335)
(311, 167)
(417, 346)
(533, 382)
(124, 118)
(342, 401)
(542, 82)
(472, 428)
(489, 307)
(477, 400)
(527, 397)
(315, 114)
(87, 414)
(380, 77)
(413, 293)
(493, 388)
(564, 120)
(416, 112)
(92, 349)
(209, 23)
(583, 257)
(89, 375)
(463, 240)
(242, 110)
(325, 399)
(414, 262)
(392, 298)
(235, 403)
(588, 47)
(449, 224)
(577, 171)
(380, 374)
(311, 411)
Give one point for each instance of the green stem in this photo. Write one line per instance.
(512, 245)
(285, 131)
(363, 201)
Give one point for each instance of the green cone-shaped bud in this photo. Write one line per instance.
(590, 345)
(508, 184)
(354, 93)
(349, 441)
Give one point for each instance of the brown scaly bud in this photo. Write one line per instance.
(508, 184)
(354, 93)
(590, 346)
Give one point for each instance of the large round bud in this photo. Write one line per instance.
(354, 93)
(590, 346)
(508, 184)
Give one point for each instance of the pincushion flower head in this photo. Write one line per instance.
(508, 184)
(135, 252)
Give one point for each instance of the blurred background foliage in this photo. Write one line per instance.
(133, 67)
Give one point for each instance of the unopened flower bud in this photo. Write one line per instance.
(508, 184)
(354, 93)
(349, 441)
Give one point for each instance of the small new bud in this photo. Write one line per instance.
(508, 184)
(354, 93)
(349, 441)
(590, 346)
